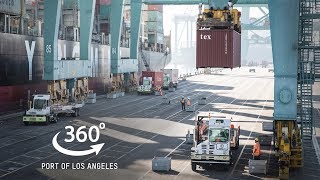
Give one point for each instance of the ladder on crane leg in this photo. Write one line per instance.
(308, 65)
(144, 58)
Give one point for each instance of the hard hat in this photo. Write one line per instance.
(256, 139)
(188, 98)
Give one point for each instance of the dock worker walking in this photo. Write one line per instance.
(183, 104)
(188, 102)
(256, 150)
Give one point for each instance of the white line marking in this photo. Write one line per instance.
(222, 109)
(139, 133)
(247, 139)
(175, 148)
(4, 171)
(17, 163)
(28, 164)
(28, 156)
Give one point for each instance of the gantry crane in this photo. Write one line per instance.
(284, 33)
(67, 79)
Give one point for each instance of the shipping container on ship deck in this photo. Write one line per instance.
(219, 48)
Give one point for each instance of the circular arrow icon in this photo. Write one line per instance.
(94, 148)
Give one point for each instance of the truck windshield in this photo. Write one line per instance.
(39, 104)
(218, 135)
(146, 82)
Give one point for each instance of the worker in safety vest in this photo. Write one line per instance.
(188, 102)
(256, 150)
(183, 104)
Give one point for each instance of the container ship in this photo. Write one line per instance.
(22, 53)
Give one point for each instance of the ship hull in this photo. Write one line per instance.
(21, 67)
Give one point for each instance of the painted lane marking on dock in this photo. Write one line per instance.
(151, 137)
(32, 137)
(255, 125)
(248, 137)
(225, 105)
(38, 157)
(179, 96)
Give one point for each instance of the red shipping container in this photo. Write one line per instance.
(218, 49)
(155, 8)
(157, 77)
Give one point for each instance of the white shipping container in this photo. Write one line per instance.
(173, 73)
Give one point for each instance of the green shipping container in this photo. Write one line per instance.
(160, 38)
(152, 38)
(155, 27)
(156, 38)
(70, 4)
(105, 11)
(155, 16)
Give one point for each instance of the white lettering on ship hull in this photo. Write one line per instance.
(30, 52)
(62, 53)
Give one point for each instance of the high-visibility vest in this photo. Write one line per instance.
(256, 149)
(188, 103)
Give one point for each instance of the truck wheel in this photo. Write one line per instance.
(55, 118)
(47, 120)
(74, 114)
(26, 123)
(193, 166)
(231, 159)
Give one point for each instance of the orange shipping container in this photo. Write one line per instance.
(218, 49)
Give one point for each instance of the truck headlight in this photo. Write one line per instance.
(193, 149)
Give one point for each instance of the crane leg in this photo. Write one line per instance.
(289, 146)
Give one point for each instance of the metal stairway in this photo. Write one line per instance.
(144, 58)
(317, 65)
(306, 66)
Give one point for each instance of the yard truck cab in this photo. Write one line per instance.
(166, 81)
(146, 86)
(213, 140)
(170, 78)
(43, 110)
